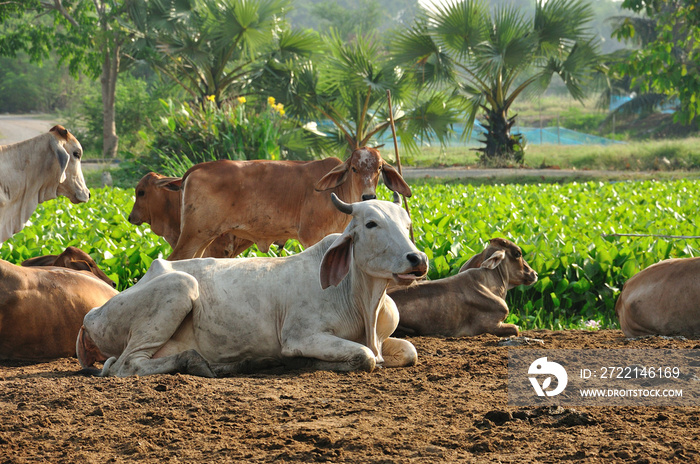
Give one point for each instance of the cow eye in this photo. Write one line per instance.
(371, 225)
(141, 193)
(354, 169)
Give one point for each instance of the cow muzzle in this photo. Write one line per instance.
(418, 269)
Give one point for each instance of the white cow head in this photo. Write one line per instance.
(69, 152)
(377, 239)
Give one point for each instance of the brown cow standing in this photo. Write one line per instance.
(71, 258)
(469, 303)
(268, 202)
(662, 300)
(160, 208)
(42, 310)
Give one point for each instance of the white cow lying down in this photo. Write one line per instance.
(213, 317)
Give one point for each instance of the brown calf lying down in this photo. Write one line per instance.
(71, 258)
(160, 208)
(663, 299)
(469, 303)
(268, 202)
(42, 309)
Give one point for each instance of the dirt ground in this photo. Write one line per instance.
(451, 407)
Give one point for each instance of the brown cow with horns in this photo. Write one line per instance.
(268, 202)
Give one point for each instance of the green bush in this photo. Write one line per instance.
(562, 229)
(133, 106)
(186, 135)
(574, 118)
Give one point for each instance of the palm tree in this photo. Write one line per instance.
(215, 49)
(491, 59)
(344, 89)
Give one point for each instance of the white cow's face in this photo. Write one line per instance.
(378, 238)
(72, 184)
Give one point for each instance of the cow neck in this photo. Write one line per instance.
(170, 232)
(366, 293)
(27, 193)
(497, 280)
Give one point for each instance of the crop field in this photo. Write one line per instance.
(564, 231)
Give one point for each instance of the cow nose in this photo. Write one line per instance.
(415, 259)
(369, 196)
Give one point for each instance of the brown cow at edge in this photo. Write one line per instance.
(42, 310)
(71, 258)
(469, 303)
(160, 208)
(268, 202)
(662, 300)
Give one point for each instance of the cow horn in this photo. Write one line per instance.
(341, 205)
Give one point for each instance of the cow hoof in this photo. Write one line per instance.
(364, 363)
(195, 364)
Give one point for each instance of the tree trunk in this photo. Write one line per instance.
(108, 79)
(500, 146)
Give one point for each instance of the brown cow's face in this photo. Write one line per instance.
(511, 256)
(365, 165)
(361, 171)
(140, 213)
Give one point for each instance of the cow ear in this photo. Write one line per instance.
(334, 178)
(62, 156)
(473, 263)
(394, 181)
(81, 266)
(494, 260)
(173, 184)
(336, 262)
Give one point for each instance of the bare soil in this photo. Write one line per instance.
(451, 407)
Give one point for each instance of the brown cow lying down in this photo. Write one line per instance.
(160, 208)
(71, 258)
(469, 303)
(268, 202)
(663, 299)
(42, 310)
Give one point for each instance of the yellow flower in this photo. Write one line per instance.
(211, 98)
(271, 101)
(280, 108)
(241, 100)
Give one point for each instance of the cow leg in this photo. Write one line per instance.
(331, 353)
(143, 319)
(399, 353)
(395, 352)
(504, 330)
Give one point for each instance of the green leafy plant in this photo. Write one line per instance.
(565, 232)
(186, 135)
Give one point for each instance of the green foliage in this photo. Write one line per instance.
(668, 64)
(345, 90)
(492, 58)
(561, 228)
(186, 135)
(99, 227)
(576, 119)
(215, 47)
(134, 105)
